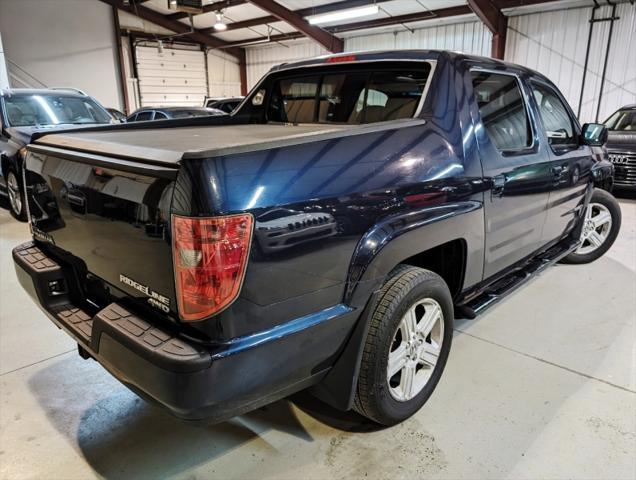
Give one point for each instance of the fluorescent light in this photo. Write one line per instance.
(344, 14)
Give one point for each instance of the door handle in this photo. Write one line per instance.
(498, 185)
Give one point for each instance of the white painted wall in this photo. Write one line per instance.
(470, 37)
(554, 43)
(62, 43)
(4, 76)
(260, 59)
(224, 76)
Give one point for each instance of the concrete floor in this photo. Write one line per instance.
(541, 386)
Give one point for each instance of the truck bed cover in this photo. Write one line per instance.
(168, 146)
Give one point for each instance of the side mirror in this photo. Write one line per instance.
(594, 134)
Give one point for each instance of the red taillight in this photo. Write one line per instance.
(210, 257)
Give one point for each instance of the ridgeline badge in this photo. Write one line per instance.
(155, 299)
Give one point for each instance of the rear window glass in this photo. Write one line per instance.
(349, 97)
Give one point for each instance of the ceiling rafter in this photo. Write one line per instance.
(327, 40)
(379, 22)
(303, 12)
(178, 27)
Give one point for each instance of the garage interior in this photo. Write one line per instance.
(542, 385)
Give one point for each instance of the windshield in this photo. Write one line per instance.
(362, 96)
(41, 110)
(624, 120)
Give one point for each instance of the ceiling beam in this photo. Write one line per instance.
(195, 36)
(303, 12)
(495, 21)
(212, 7)
(330, 42)
(379, 22)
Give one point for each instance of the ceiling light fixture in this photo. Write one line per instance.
(220, 25)
(344, 15)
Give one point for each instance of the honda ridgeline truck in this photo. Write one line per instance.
(324, 236)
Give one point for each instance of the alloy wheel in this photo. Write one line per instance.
(15, 197)
(596, 228)
(415, 349)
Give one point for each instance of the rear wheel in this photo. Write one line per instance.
(600, 228)
(16, 195)
(407, 346)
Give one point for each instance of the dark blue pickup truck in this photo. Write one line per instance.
(324, 236)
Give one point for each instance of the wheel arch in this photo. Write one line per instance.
(455, 230)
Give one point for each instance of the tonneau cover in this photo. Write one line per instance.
(170, 145)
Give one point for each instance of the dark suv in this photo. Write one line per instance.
(26, 112)
(621, 146)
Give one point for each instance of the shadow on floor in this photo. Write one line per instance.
(122, 436)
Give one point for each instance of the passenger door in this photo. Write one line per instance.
(570, 161)
(515, 164)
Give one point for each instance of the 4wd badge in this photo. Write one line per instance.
(155, 299)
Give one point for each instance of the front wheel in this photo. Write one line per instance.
(16, 196)
(601, 225)
(409, 339)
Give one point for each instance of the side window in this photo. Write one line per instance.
(554, 115)
(141, 116)
(502, 109)
(160, 116)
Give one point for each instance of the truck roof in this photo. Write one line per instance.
(397, 55)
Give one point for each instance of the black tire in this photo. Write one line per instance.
(404, 288)
(19, 214)
(606, 199)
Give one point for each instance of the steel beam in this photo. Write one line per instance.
(495, 21)
(327, 40)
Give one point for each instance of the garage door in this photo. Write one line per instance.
(171, 78)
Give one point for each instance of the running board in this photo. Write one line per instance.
(496, 291)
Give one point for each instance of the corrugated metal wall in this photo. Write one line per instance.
(260, 59)
(469, 37)
(554, 43)
(224, 77)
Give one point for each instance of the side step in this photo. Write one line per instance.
(496, 291)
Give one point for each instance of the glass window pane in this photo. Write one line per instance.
(143, 116)
(394, 95)
(294, 100)
(339, 96)
(554, 115)
(502, 110)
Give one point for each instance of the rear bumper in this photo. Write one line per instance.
(189, 379)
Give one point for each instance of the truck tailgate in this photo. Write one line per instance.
(109, 218)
